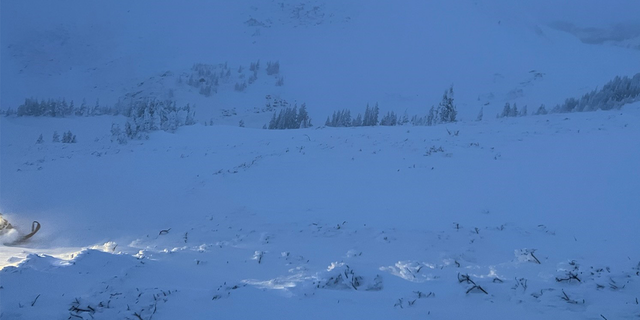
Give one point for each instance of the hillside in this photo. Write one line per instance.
(333, 55)
(243, 215)
(530, 216)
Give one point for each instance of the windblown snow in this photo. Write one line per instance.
(527, 216)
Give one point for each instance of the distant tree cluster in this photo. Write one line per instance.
(613, 95)
(271, 103)
(147, 115)
(446, 112)
(273, 68)
(446, 109)
(59, 108)
(67, 137)
(390, 119)
(512, 111)
(208, 78)
(240, 86)
(343, 118)
(542, 110)
(290, 118)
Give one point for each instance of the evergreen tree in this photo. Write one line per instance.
(390, 119)
(272, 123)
(96, 110)
(523, 112)
(541, 110)
(506, 111)
(56, 136)
(366, 121)
(72, 108)
(345, 120)
(358, 121)
(405, 118)
(290, 118)
(448, 110)
(40, 139)
(514, 111)
(432, 116)
(374, 116)
(303, 117)
(68, 137)
(273, 68)
(190, 116)
(129, 130)
(82, 110)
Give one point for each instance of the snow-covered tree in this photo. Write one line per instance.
(432, 117)
(613, 95)
(447, 108)
(506, 111)
(357, 122)
(341, 118)
(390, 119)
(273, 68)
(405, 119)
(523, 112)
(68, 137)
(541, 110)
(117, 134)
(291, 118)
(303, 117)
(371, 116)
(514, 111)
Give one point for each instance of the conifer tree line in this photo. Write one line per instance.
(509, 111)
(613, 95)
(343, 118)
(290, 118)
(59, 108)
(151, 114)
(148, 115)
(67, 137)
(208, 78)
(512, 111)
(446, 112)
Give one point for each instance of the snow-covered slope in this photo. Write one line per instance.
(529, 217)
(334, 54)
(213, 219)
